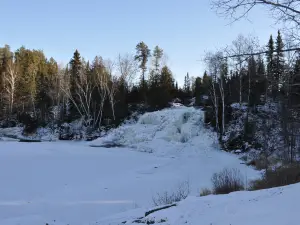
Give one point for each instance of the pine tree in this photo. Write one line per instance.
(271, 87)
(166, 86)
(142, 55)
(251, 81)
(198, 91)
(157, 54)
(188, 84)
(206, 81)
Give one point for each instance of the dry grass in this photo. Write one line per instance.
(227, 181)
(279, 177)
(205, 192)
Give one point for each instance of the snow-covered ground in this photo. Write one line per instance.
(72, 183)
(277, 206)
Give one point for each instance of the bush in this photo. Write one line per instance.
(166, 198)
(227, 181)
(205, 192)
(285, 175)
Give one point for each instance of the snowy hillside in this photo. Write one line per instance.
(278, 206)
(62, 183)
(169, 131)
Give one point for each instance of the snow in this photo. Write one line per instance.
(72, 183)
(13, 133)
(243, 106)
(166, 132)
(277, 206)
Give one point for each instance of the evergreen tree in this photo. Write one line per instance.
(279, 62)
(142, 55)
(251, 81)
(188, 84)
(166, 86)
(272, 86)
(157, 54)
(31, 65)
(75, 70)
(206, 81)
(76, 66)
(295, 89)
(198, 91)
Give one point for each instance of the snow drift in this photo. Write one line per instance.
(163, 132)
(277, 206)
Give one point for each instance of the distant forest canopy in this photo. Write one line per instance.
(34, 89)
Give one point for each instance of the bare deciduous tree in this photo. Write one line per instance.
(127, 67)
(212, 61)
(84, 90)
(10, 79)
(283, 11)
(101, 85)
(112, 87)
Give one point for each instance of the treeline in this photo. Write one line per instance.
(38, 91)
(265, 90)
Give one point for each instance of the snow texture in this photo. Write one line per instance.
(277, 206)
(69, 182)
(169, 131)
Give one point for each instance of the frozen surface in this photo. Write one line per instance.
(72, 183)
(171, 131)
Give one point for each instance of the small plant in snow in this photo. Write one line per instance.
(205, 192)
(166, 198)
(227, 181)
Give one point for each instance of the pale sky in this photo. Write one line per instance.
(185, 29)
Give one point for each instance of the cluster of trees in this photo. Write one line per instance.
(34, 89)
(267, 76)
(251, 77)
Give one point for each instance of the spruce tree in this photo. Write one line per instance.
(198, 91)
(157, 54)
(271, 83)
(75, 70)
(279, 61)
(166, 86)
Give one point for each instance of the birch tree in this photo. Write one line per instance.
(10, 80)
(82, 95)
(112, 87)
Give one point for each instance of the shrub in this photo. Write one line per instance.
(205, 192)
(258, 163)
(227, 181)
(279, 177)
(183, 190)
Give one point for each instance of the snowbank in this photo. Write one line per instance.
(277, 206)
(166, 131)
(16, 133)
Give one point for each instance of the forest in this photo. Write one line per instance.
(249, 92)
(251, 100)
(36, 91)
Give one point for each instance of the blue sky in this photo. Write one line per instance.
(185, 29)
